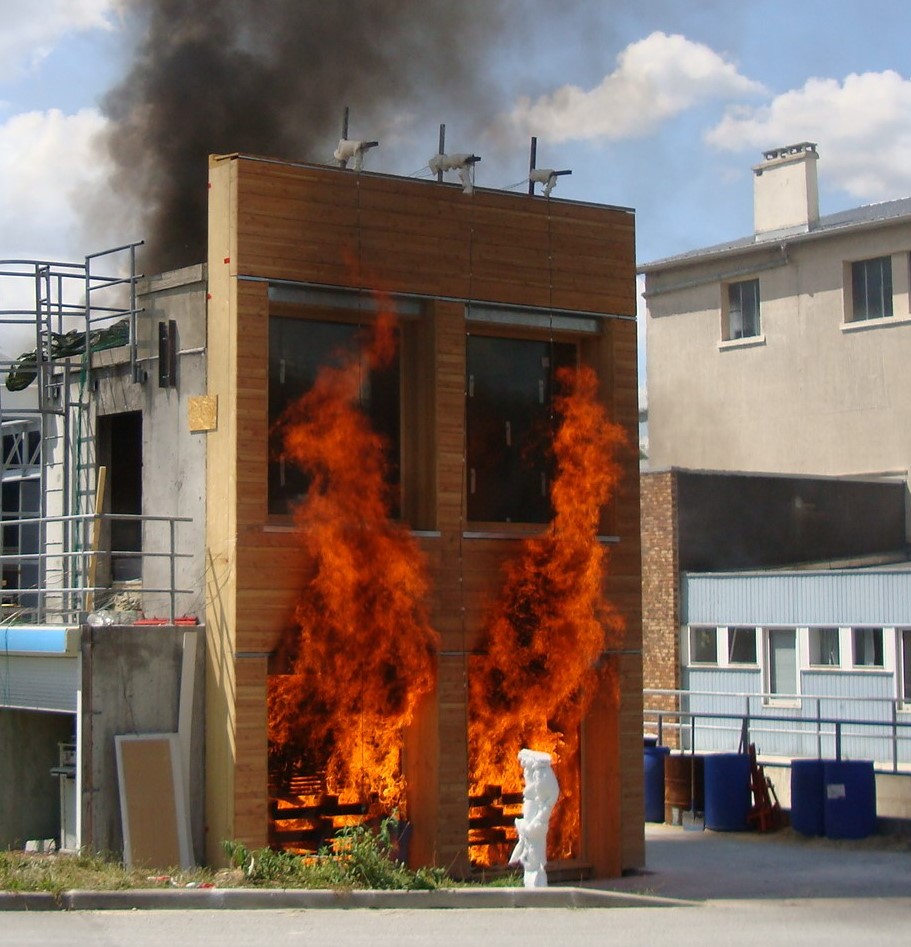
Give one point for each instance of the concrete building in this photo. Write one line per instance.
(110, 538)
(169, 498)
(775, 506)
(786, 351)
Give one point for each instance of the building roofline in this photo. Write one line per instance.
(855, 220)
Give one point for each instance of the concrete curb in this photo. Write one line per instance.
(247, 899)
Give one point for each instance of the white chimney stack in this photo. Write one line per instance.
(785, 190)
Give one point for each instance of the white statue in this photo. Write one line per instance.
(539, 797)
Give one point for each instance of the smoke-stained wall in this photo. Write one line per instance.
(747, 521)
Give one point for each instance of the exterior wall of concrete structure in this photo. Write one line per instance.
(173, 454)
(785, 191)
(131, 679)
(813, 393)
(749, 521)
(29, 794)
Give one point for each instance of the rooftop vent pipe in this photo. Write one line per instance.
(463, 163)
(348, 149)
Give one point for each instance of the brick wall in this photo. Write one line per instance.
(660, 593)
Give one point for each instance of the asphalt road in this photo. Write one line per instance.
(833, 923)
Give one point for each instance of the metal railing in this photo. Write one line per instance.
(797, 722)
(60, 574)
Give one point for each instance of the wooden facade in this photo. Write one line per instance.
(276, 230)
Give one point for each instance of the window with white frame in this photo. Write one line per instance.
(867, 644)
(703, 645)
(781, 671)
(871, 289)
(742, 646)
(742, 310)
(904, 643)
(825, 650)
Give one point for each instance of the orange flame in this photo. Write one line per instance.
(535, 675)
(362, 652)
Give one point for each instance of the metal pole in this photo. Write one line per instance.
(818, 729)
(441, 151)
(173, 565)
(532, 162)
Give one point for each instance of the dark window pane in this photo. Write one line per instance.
(510, 426)
(868, 647)
(743, 309)
(871, 288)
(742, 645)
(298, 349)
(703, 647)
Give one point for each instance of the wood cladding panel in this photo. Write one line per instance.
(318, 224)
(325, 226)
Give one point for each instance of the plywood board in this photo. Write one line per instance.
(153, 809)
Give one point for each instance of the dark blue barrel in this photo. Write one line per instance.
(850, 799)
(807, 797)
(654, 782)
(727, 791)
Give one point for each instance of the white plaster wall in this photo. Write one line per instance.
(809, 396)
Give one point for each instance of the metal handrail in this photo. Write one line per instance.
(748, 723)
(74, 598)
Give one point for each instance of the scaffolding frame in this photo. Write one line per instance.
(67, 311)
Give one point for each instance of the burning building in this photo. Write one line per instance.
(422, 512)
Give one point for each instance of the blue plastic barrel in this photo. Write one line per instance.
(727, 792)
(654, 782)
(850, 799)
(807, 797)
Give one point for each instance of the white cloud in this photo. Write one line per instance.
(55, 198)
(655, 79)
(54, 184)
(862, 126)
(31, 31)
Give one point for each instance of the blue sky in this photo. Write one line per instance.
(658, 105)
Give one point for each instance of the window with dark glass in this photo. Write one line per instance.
(743, 309)
(742, 646)
(871, 288)
(868, 647)
(905, 640)
(510, 426)
(703, 646)
(824, 647)
(298, 349)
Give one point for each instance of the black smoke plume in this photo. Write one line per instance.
(272, 78)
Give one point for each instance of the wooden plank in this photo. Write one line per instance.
(153, 806)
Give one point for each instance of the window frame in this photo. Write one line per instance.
(729, 308)
(774, 698)
(702, 629)
(878, 649)
(903, 668)
(860, 269)
(815, 648)
(508, 334)
(356, 321)
(732, 635)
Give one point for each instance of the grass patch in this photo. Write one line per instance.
(359, 857)
(54, 873)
